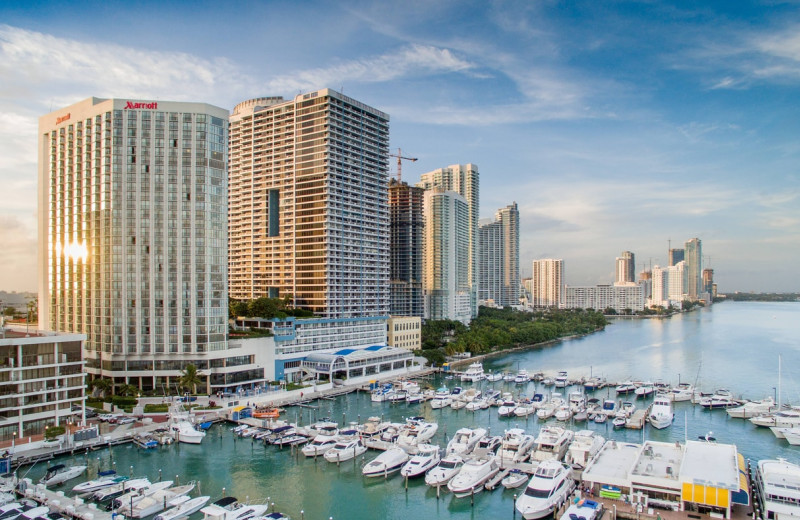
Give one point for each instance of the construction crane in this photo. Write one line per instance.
(400, 159)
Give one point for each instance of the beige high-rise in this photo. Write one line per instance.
(308, 210)
(548, 282)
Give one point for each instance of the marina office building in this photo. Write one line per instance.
(133, 240)
(309, 220)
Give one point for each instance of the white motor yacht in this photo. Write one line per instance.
(104, 479)
(446, 469)
(382, 393)
(645, 390)
(515, 447)
(682, 392)
(131, 498)
(386, 463)
(661, 414)
(442, 398)
(416, 431)
(775, 482)
(229, 508)
(507, 406)
(457, 404)
(473, 476)
(585, 508)
(549, 487)
(509, 377)
(514, 479)
(60, 473)
(373, 427)
(753, 408)
(465, 440)
(184, 431)
(474, 373)
(524, 409)
(577, 401)
(111, 492)
(426, 458)
(183, 510)
(549, 408)
(345, 450)
(157, 501)
(563, 413)
(720, 399)
(584, 447)
(494, 376)
(781, 419)
(561, 380)
(319, 445)
(477, 404)
(625, 388)
(522, 377)
(552, 443)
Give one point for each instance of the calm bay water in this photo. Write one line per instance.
(731, 345)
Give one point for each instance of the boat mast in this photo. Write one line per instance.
(778, 404)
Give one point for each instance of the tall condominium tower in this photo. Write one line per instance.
(446, 281)
(548, 282)
(694, 268)
(308, 207)
(708, 281)
(498, 258)
(405, 252)
(675, 256)
(132, 234)
(464, 180)
(625, 271)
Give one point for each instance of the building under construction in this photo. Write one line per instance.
(407, 226)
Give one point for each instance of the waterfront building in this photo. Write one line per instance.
(646, 281)
(625, 271)
(547, 282)
(675, 256)
(446, 273)
(405, 332)
(668, 285)
(708, 281)
(464, 180)
(694, 268)
(41, 378)
(133, 236)
(498, 258)
(676, 282)
(309, 216)
(622, 298)
(660, 282)
(405, 251)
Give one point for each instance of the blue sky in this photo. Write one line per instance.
(614, 125)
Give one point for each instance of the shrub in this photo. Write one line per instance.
(124, 401)
(156, 408)
(54, 431)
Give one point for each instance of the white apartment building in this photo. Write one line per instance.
(668, 285)
(446, 265)
(41, 377)
(308, 209)
(133, 237)
(547, 282)
(600, 297)
(464, 180)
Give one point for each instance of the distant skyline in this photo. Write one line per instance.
(614, 126)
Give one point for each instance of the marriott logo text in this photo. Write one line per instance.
(148, 106)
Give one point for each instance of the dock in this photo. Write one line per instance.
(637, 420)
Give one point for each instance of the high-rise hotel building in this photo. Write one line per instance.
(694, 268)
(308, 205)
(133, 237)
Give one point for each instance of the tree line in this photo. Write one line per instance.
(498, 329)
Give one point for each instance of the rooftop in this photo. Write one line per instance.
(613, 463)
(711, 464)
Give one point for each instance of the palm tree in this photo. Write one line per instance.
(126, 389)
(101, 385)
(190, 378)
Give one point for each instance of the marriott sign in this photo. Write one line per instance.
(130, 105)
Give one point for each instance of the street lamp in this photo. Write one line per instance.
(13, 442)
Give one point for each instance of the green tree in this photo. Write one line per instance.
(190, 378)
(101, 386)
(127, 390)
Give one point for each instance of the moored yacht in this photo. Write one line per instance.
(552, 443)
(661, 414)
(782, 419)
(753, 408)
(446, 469)
(345, 450)
(104, 479)
(473, 476)
(507, 406)
(465, 440)
(516, 446)
(625, 388)
(561, 380)
(319, 445)
(584, 447)
(416, 431)
(386, 463)
(522, 377)
(776, 483)
(586, 509)
(183, 510)
(549, 487)
(474, 373)
(60, 473)
(428, 456)
(442, 398)
(720, 399)
(682, 392)
(229, 508)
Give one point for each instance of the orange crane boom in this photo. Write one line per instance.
(400, 159)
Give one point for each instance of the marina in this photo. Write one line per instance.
(248, 468)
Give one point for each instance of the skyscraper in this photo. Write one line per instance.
(132, 234)
(694, 268)
(625, 271)
(464, 180)
(309, 216)
(498, 259)
(675, 256)
(548, 282)
(446, 282)
(405, 251)
(708, 281)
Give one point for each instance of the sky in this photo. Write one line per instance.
(613, 125)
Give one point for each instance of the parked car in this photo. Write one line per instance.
(90, 413)
(126, 420)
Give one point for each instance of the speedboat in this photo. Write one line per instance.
(386, 463)
(323, 427)
(774, 481)
(442, 398)
(415, 398)
(488, 445)
(60, 473)
(183, 510)
(753, 408)
(104, 479)
(720, 399)
(516, 446)
(514, 479)
(465, 440)
(457, 404)
(522, 377)
(446, 469)
(524, 409)
(157, 501)
(563, 413)
(478, 404)
(113, 491)
(645, 390)
(682, 392)
(619, 421)
(131, 498)
(538, 400)
(373, 427)
(494, 376)
(626, 410)
(229, 508)
(552, 443)
(549, 487)
(661, 414)
(594, 383)
(184, 431)
(381, 394)
(474, 373)
(426, 458)
(417, 431)
(577, 401)
(473, 476)
(584, 508)
(319, 445)
(625, 388)
(345, 450)
(507, 407)
(584, 447)
(549, 408)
